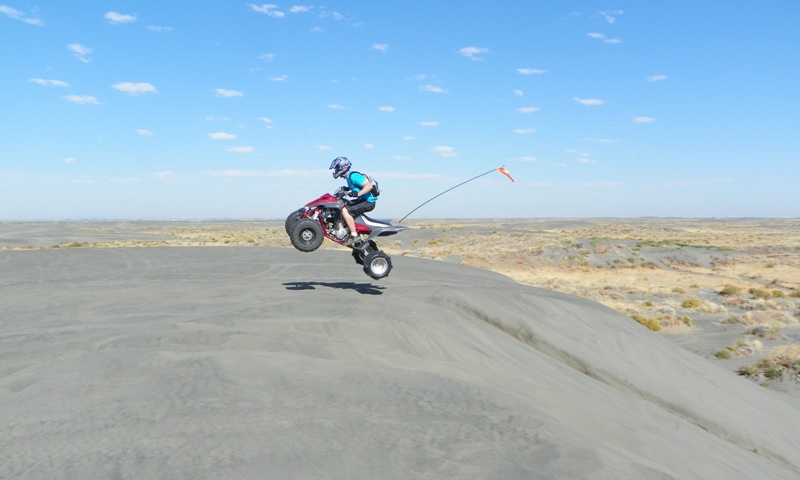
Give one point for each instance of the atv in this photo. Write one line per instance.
(322, 218)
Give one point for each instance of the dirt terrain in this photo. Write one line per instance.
(725, 289)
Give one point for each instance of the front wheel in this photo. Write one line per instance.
(377, 264)
(307, 235)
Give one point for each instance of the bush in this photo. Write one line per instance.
(778, 294)
(678, 290)
(769, 332)
(760, 293)
(778, 360)
(651, 323)
(725, 354)
(687, 320)
(730, 290)
(691, 303)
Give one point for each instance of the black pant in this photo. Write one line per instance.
(360, 208)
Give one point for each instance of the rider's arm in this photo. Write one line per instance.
(366, 188)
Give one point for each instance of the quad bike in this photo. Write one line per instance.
(322, 218)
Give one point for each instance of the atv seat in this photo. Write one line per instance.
(371, 222)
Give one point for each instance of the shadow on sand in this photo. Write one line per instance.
(362, 288)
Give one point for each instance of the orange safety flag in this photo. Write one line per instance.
(505, 172)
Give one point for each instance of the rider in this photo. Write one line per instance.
(360, 187)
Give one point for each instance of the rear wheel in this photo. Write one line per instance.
(377, 264)
(307, 235)
(291, 220)
(360, 253)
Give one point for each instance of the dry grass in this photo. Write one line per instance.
(692, 266)
(781, 361)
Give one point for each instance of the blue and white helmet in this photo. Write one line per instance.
(340, 166)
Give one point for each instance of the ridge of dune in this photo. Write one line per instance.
(268, 363)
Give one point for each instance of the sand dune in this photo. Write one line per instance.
(267, 363)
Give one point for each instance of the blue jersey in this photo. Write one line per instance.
(355, 181)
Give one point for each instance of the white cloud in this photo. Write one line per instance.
(527, 159)
(409, 138)
(583, 157)
(429, 124)
(135, 89)
(241, 150)
(432, 89)
(381, 47)
(644, 120)
(610, 16)
(81, 52)
(222, 92)
(17, 15)
(589, 102)
(116, 17)
(525, 131)
(530, 71)
(473, 52)
(221, 136)
(267, 122)
(528, 109)
(400, 158)
(70, 160)
(165, 176)
(369, 146)
(600, 36)
(268, 9)
(324, 148)
(386, 109)
(267, 56)
(144, 132)
(82, 99)
(281, 78)
(335, 106)
(49, 83)
(299, 9)
(518, 93)
(656, 78)
(444, 151)
(158, 28)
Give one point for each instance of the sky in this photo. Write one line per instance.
(225, 109)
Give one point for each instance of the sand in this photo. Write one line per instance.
(241, 362)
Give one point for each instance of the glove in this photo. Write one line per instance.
(340, 192)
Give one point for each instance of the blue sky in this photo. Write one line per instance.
(227, 109)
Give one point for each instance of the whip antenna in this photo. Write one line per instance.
(501, 169)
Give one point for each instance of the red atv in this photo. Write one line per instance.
(321, 218)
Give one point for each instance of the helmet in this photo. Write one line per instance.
(340, 166)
